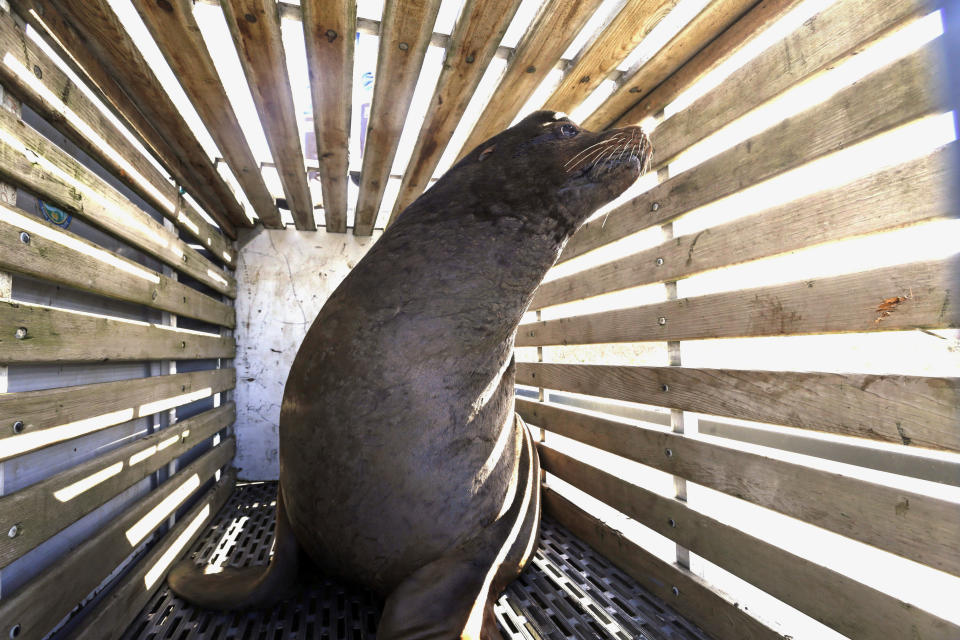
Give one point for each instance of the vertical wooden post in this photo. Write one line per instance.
(8, 195)
(165, 419)
(540, 398)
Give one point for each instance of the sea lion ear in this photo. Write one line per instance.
(486, 152)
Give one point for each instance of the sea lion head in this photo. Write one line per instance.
(547, 169)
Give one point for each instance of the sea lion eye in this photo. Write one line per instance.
(568, 131)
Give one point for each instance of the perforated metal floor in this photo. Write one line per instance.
(568, 592)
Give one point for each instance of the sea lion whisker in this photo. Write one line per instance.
(596, 144)
(587, 159)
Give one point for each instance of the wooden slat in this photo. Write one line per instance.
(53, 95)
(702, 604)
(404, 37)
(921, 296)
(479, 30)
(911, 410)
(720, 49)
(549, 35)
(177, 34)
(899, 196)
(49, 416)
(646, 75)
(111, 616)
(255, 27)
(95, 41)
(40, 604)
(44, 508)
(892, 96)
(54, 254)
(838, 601)
(328, 29)
(842, 30)
(57, 335)
(32, 161)
(608, 49)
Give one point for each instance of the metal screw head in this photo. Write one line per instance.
(655, 206)
(659, 262)
(634, 89)
(183, 344)
(668, 453)
(531, 69)
(661, 321)
(331, 35)
(469, 59)
(18, 426)
(675, 591)
(15, 530)
(24, 237)
(664, 387)
(249, 17)
(14, 631)
(37, 71)
(20, 333)
(672, 523)
(403, 46)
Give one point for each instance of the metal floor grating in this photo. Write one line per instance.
(569, 591)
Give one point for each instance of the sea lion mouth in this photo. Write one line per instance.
(628, 148)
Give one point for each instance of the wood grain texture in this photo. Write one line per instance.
(720, 49)
(921, 296)
(33, 162)
(102, 50)
(255, 27)
(887, 98)
(472, 46)
(57, 335)
(54, 96)
(49, 506)
(606, 51)
(57, 255)
(404, 37)
(647, 74)
(841, 31)
(548, 36)
(110, 617)
(838, 601)
(329, 30)
(902, 195)
(40, 604)
(48, 415)
(910, 410)
(178, 37)
(701, 603)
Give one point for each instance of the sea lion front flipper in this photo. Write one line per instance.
(248, 587)
(452, 597)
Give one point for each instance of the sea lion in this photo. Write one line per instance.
(403, 467)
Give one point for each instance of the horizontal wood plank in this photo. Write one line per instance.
(178, 37)
(906, 194)
(913, 296)
(39, 605)
(701, 603)
(57, 335)
(33, 162)
(51, 253)
(111, 616)
(255, 27)
(607, 50)
(838, 601)
(328, 29)
(44, 508)
(840, 31)
(892, 96)
(404, 37)
(910, 410)
(549, 35)
(720, 49)
(472, 45)
(49, 416)
(53, 95)
(99, 48)
(637, 82)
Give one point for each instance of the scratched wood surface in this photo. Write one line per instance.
(104, 51)
(852, 608)
(48, 416)
(40, 83)
(255, 27)
(328, 29)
